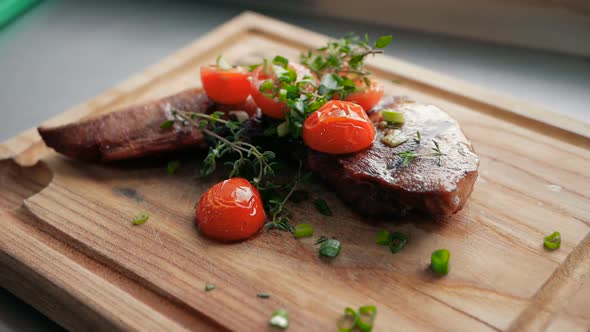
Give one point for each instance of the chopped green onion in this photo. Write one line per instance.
(397, 242)
(283, 95)
(440, 261)
(280, 319)
(322, 207)
(167, 124)
(209, 287)
(280, 61)
(252, 67)
(241, 116)
(222, 64)
(172, 167)
(369, 313)
(392, 116)
(266, 86)
(141, 218)
(330, 248)
(553, 241)
(263, 295)
(382, 238)
(348, 321)
(283, 129)
(303, 230)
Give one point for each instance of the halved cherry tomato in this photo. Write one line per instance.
(366, 97)
(231, 210)
(231, 86)
(270, 105)
(338, 127)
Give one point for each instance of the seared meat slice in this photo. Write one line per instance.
(375, 183)
(131, 132)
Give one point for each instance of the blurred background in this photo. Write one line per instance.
(58, 53)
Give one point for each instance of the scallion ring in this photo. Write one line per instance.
(440, 261)
(141, 218)
(280, 319)
(552, 241)
(330, 248)
(397, 242)
(392, 116)
(302, 230)
(382, 238)
(366, 318)
(348, 321)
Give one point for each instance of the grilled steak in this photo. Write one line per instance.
(376, 183)
(131, 132)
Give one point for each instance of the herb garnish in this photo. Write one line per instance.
(552, 241)
(330, 248)
(263, 295)
(280, 319)
(409, 155)
(209, 287)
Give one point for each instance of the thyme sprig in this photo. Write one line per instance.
(250, 157)
(409, 155)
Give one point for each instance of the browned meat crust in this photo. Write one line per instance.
(131, 132)
(375, 183)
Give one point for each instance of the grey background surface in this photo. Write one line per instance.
(63, 52)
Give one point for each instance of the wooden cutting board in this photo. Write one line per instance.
(67, 245)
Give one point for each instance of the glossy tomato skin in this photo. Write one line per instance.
(230, 86)
(367, 98)
(338, 127)
(231, 210)
(270, 105)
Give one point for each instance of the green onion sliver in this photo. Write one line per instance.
(209, 287)
(553, 241)
(366, 318)
(330, 248)
(222, 64)
(348, 321)
(440, 261)
(302, 230)
(280, 319)
(392, 116)
(397, 242)
(382, 238)
(141, 218)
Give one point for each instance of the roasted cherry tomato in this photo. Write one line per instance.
(226, 86)
(231, 210)
(338, 127)
(366, 97)
(270, 105)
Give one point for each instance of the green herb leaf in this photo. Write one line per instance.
(330, 248)
(266, 86)
(383, 41)
(172, 167)
(553, 241)
(280, 61)
(209, 287)
(440, 261)
(252, 67)
(280, 319)
(302, 230)
(167, 124)
(383, 238)
(322, 207)
(141, 218)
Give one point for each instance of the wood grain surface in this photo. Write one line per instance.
(67, 245)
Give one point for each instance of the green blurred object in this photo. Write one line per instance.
(11, 9)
